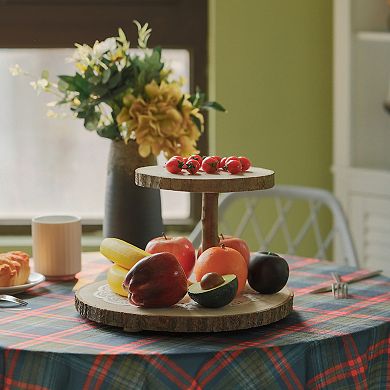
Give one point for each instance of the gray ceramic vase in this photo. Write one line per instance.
(132, 213)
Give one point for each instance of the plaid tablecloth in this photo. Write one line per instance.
(323, 344)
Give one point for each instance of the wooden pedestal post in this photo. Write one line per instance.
(209, 220)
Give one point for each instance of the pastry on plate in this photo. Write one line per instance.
(18, 263)
(7, 275)
(23, 259)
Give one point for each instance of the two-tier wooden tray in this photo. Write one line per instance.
(246, 311)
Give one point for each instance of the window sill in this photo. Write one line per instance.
(89, 243)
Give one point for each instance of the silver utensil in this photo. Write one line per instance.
(12, 299)
(339, 288)
(353, 280)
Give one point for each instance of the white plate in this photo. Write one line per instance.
(34, 279)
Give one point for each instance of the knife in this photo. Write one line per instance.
(353, 280)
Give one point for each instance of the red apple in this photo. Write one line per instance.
(156, 281)
(180, 247)
(236, 243)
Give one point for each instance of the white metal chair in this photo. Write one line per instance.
(310, 203)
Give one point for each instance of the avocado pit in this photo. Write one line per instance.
(211, 280)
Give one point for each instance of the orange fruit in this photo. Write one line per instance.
(223, 261)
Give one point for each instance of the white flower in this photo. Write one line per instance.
(100, 48)
(105, 117)
(143, 34)
(40, 85)
(55, 115)
(81, 54)
(16, 70)
(121, 63)
(82, 57)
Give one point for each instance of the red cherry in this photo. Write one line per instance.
(245, 163)
(233, 166)
(210, 165)
(192, 166)
(174, 165)
(196, 157)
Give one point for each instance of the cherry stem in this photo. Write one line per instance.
(222, 237)
(222, 246)
(164, 236)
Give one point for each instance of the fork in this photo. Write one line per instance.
(12, 299)
(339, 288)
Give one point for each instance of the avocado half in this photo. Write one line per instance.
(215, 297)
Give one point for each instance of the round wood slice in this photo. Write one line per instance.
(159, 178)
(246, 311)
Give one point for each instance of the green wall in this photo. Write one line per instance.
(271, 66)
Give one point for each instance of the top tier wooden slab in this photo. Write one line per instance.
(158, 177)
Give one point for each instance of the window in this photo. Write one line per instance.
(32, 170)
(52, 159)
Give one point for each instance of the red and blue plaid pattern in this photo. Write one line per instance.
(323, 344)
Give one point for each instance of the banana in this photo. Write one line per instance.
(115, 277)
(121, 252)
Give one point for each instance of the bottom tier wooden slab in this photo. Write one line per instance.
(246, 311)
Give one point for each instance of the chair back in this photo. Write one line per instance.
(296, 214)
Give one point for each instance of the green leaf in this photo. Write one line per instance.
(115, 80)
(141, 80)
(214, 105)
(111, 131)
(77, 83)
(198, 98)
(191, 99)
(69, 80)
(91, 119)
(147, 69)
(106, 75)
(155, 57)
(100, 90)
(88, 73)
(95, 80)
(180, 104)
(62, 85)
(197, 122)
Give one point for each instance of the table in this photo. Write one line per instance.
(323, 344)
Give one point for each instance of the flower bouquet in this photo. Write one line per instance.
(129, 96)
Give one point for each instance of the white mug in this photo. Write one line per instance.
(57, 246)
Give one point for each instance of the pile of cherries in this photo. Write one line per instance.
(208, 164)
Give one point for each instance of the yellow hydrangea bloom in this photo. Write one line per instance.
(158, 124)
